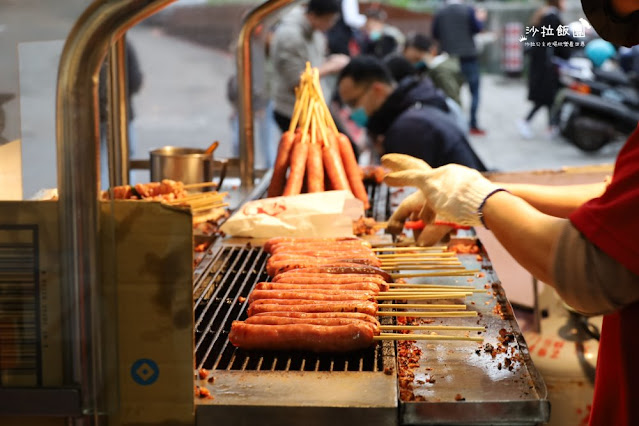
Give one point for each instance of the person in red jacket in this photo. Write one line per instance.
(581, 239)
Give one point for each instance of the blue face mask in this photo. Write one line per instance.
(359, 117)
(420, 66)
(375, 35)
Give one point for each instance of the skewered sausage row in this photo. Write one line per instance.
(322, 297)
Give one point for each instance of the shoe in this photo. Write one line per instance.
(553, 133)
(477, 131)
(524, 129)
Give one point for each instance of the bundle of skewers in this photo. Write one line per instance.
(204, 205)
(316, 155)
(326, 294)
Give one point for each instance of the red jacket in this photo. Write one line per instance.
(611, 222)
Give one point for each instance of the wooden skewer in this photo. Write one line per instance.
(436, 274)
(410, 248)
(395, 290)
(453, 307)
(399, 336)
(209, 207)
(435, 296)
(433, 287)
(444, 254)
(197, 195)
(431, 327)
(199, 185)
(413, 267)
(426, 314)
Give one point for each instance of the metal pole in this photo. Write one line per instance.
(118, 114)
(245, 87)
(78, 140)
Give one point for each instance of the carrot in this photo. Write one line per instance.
(352, 169)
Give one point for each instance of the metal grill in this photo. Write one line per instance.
(227, 279)
(379, 195)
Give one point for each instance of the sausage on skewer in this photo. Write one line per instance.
(334, 166)
(315, 168)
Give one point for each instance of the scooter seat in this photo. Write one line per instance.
(614, 78)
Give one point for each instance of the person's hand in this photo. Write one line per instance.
(454, 192)
(414, 206)
(336, 62)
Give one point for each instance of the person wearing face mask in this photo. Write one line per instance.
(299, 38)
(580, 239)
(443, 69)
(381, 39)
(409, 117)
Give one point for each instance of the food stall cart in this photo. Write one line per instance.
(104, 320)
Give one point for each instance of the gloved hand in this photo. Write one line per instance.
(454, 192)
(414, 206)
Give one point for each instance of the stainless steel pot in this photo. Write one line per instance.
(188, 165)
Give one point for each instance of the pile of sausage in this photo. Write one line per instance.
(316, 167)
(314, 304)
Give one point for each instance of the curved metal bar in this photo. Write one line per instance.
(78, 140)
(245, 87)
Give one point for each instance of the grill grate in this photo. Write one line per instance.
(231, 274)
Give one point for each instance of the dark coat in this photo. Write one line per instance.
(415, 121)
(543, 78)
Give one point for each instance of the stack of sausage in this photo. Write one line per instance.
(316, 155)
(321, 297)
(167, 190)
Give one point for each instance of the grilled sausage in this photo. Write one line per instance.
(331, 321)
(345, 268)
(282, 161)
(277, 240)
(364, 307)
(372, 287)
(354, 315)
(315, 295)
(337, 245)
(352, 169)
(304, 337)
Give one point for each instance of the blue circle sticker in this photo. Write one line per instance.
(145, 371)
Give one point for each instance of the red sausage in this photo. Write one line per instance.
(280, 167)
(355, 315)
(310, 287)
(304, 337)
(315, 168)
(277, 320)
(299, 154)
(314, 295)
(352, 169)
(276, 240)
(364, 307)
(345, 268)
(334, 166)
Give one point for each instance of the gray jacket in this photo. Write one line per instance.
(294, 43)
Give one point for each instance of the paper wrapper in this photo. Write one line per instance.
(321, 214)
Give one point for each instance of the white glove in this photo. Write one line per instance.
(454, 192)
(414, 206)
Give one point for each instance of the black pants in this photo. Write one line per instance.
(283, 122)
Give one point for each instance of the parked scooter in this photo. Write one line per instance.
(596, 105)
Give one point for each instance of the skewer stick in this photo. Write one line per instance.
(412, 290)
(408, 248)
(437, 274)
(209, 207)
(399, 336)
(432, 287)
(430, 327)
(434, 296)
(199, 185)
(426, 314)
(322, 125)
(297, 110)
(444, 254)
(415, 267)
(307, 122)
(453, 307)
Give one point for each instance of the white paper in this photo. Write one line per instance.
(321, 214)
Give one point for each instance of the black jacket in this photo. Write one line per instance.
(415, 121)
